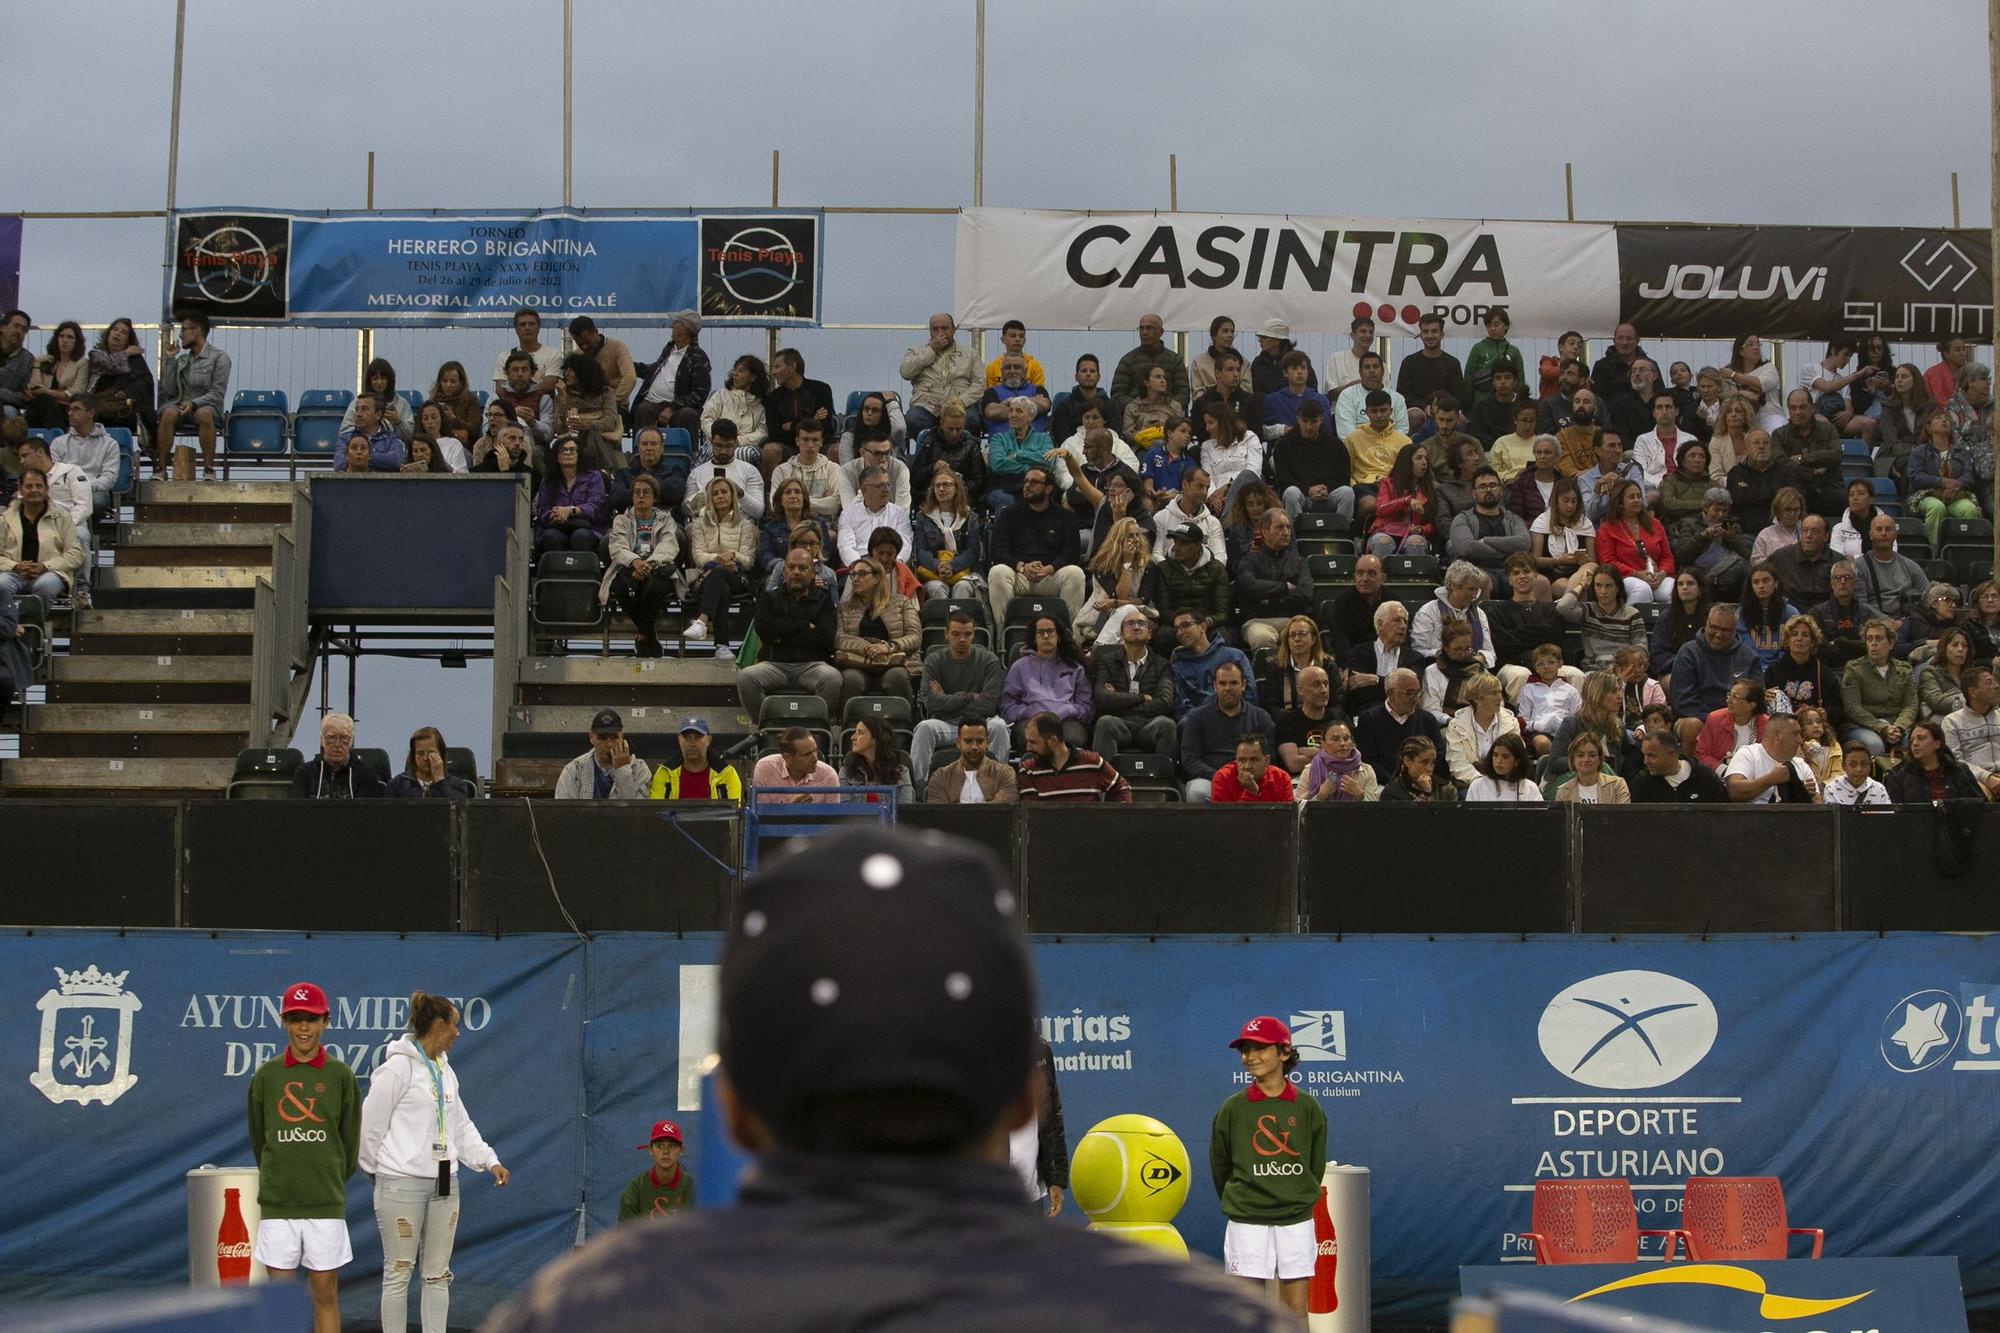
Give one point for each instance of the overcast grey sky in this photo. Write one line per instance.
(1832, 112)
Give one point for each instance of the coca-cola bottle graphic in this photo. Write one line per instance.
(1322, 1295)
(232, 1242)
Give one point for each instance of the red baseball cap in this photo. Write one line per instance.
(302, 997)
(1265, 1031)
(662, 1129)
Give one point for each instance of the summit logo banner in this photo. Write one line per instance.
(1625, 1030)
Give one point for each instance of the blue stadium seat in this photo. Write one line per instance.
(316, 436)
(674, 440)
(413, 398)
(1855, 449)
(854, 400)
(46, 434)
(257, 420)
(319, 402)
(128, 455)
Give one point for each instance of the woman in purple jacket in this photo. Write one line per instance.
(571, 509)
(1049, 677)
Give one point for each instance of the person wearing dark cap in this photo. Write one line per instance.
(1267, 1153)
(694, 780)
(608, 771)
(665, 1186)
(875, 1086)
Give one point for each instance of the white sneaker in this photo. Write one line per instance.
(696, 632)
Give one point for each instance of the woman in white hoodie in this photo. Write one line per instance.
(414, 1134)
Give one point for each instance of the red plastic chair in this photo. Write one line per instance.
(1589, 1222)
(1740, 1217)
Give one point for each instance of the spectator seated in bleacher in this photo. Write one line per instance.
(69, 491)
(612, 355)
(1633, 544)
(546, 358)
(1404, 511)
(796, 763)
(950, 444)
(722, 558)
(424, 776)
(194, 392)
(1014, 342)
(1505, 774)
(354, 456)
(1605, 714)
(1229, 390)
(1012, 454)
(1706, 668)
(880, 417)
(1381, 729)
(1251, 777)
(796, 627)
(789, 511)
(807, 537)
(379, 382)
(1981, 619)
(1471, 728)
(587, 409)
(1890, 580)
(1761, 617)
(975, 777)
(1711, 544)
(939, 371)
(120, 380)
(1298, 650)
(1121, 584)
(1788, 506)
(1386, 649)
(872, 511)
(1209, 732)
(1280, 409)
(1944, 482)
(453, 394)
(1416, 776)
(1049, 678)
(17, 363)
(1589, 781)
(1684, 492)
(1522, 621)
(1772, 769)
(1455, 667)
(871, 760)
(695, 780)
(571, 509)
(878, 635)
(1931, 773)
(1066, 420)
(1755, 481)
(1249, 501)
(961, 682)
(1668, 777)
(40, 551)
(1739, 722)
(1456, 600)
(386, 450)
(88, 447)
(1054, 770)
(504, 449)
(445, 452)
(1487, 534)
(1856, 784)
(523, 398)
(334, 774)
(1132, 693)
(1337, 771)
(1035, 547)
(1804, 568)
(1606, 621)
(608, 770)
(1189, 509)
(1196, 658)
(1232, 454)
(17, 671)
(1082, 469)
(1973, 731)
(649, 459)
(1971, 410)
(1164, 459)
(1298, 727)
(741, 400)
(1273, 582)
(946, 548)
(1013, 383)
(674, 388)
(1878, 693)
(809, 466)
(639, 579)
(1128, 380)
(1546, 699)
(726, 460)
(875, 453)
(1430, 370)
(1310, 467)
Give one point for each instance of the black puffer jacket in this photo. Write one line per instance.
(879, 1243)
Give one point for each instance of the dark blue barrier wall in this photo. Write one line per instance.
(409, 546)
(1859, 1069)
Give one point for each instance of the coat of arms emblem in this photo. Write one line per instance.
(86, 1045)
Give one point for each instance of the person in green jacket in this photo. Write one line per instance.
(305, 1133)
(664, 1187)
(1491, 351)
(1267, 1154)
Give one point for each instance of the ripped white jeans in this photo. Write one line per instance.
(417, 1232)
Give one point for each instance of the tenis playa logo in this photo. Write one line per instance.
(1626, 1030)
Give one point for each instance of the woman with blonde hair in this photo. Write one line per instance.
(1121, 583)
(1589, 782)
(1299, 647)
(1474, 728)
(945, 552)
(1729, 443)
(877, 640)
(722, 550)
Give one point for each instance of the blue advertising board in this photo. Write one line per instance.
(361, 270)
(1884, 1295)
(1862, 1071)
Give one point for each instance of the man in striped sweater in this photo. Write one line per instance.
(1053, 771)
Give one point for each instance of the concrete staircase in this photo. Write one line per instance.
(153, 697)
(548, 720)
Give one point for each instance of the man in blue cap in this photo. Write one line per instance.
(694, 780)
(876, 1085)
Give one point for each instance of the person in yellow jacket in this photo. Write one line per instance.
(694, 780)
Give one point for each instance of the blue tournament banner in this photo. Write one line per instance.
(371, 269)
(10, 261)
(1881, 1295)
(1864, 1072)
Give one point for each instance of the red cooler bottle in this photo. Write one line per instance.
(1322, 1297)
(232, 1243)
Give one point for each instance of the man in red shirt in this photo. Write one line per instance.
(1253, 777)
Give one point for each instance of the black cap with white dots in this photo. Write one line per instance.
(877, 961)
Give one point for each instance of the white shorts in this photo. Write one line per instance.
(1251, 1250)
(316, 1243)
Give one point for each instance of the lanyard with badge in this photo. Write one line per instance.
(440, 1151)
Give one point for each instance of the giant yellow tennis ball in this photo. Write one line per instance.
(1129, 1169)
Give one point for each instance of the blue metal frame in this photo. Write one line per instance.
(811, 819)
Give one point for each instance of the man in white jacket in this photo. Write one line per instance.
(608, 771)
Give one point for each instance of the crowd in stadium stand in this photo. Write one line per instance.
(1243, 576)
